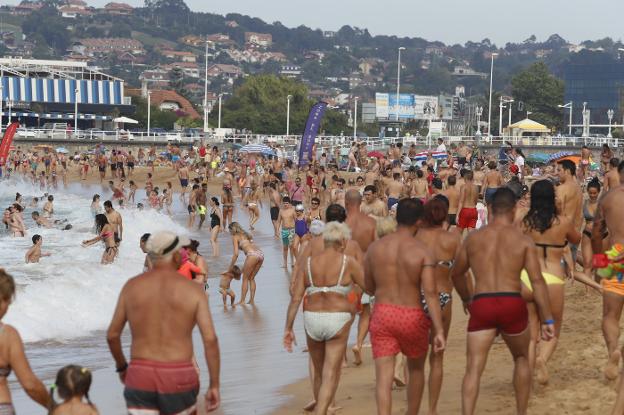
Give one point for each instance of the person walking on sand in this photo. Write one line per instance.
(363, 231)
(444, 244)
(496, 254)
(161, 376)
(610, 217)
(241, 240)
(286, 224)
(326, 279)
(12, 356)
(398, 268)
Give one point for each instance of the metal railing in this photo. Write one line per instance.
(327, 143)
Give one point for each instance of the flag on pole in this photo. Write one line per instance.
(310, 132)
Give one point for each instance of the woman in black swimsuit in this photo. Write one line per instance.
(215, 224)
(444, 244)
(589, 211)
(12, 355)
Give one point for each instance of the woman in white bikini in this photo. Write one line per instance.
(253, 261)
(326, 280)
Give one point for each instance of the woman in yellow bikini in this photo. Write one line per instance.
(551, 233)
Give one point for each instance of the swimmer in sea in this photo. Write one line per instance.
(224, 285)
(41, 221)
(34, 253)
(147, 264)
(48, 207)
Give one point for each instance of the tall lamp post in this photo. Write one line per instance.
(398, 82)
(490, 106)
(206, 92)
(355, 119)
(610, 115)
(479, 113)
(288, 98)
(220, 96)
(503, 100)
(569, 106)
(76, 113)
(149, 111)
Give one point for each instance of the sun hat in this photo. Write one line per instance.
(165, 243)
(299, 208)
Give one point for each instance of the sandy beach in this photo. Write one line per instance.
(577, 385)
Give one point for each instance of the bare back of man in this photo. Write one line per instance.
(496, 254)
(397, 267)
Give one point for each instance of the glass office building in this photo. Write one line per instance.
(598, 79)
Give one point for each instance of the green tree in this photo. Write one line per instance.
(541, 93)
(259, 105)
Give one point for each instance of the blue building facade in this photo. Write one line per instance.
(596, 78)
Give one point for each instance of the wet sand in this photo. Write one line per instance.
(577, 385)
(253, 363)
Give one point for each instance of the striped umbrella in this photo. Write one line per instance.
(437, 155)
(257, 148)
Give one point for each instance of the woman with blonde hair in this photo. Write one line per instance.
(326, 280)
(254, 258)
(12, 355)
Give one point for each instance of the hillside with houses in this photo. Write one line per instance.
(167, 47)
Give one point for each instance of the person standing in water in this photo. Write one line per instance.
(216, 218)
(115, 220)
(161, 350)
(243, 241)
(12, 356)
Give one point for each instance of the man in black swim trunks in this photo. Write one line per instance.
(274, 202)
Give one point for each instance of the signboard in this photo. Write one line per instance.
(446, 107)
(387, 106)
(381, 105)
(425, 107)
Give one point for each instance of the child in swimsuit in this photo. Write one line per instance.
(72, 385)
(224, 284)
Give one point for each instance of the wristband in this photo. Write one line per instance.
(123, 368)
(549, 321)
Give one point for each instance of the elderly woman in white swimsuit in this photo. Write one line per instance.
(326, 280)
(253, 261)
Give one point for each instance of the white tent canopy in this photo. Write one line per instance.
(125, 120)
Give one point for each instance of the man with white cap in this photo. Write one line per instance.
(163, 309)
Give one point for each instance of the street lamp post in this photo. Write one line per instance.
(220, 96)
(149, 111)
(355, 119)
(288, 98)
(398, 82)
(490, 105)
(76, 113)
(479, 112)
(610, 115)
(568, 105)
(206, 92)
(500, 117)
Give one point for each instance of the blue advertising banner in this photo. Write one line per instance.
(310, 132)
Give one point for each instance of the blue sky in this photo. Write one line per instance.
(450, 21)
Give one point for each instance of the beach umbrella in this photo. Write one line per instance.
(561, 154)
(125, 120)
(376, 154)
(437, 155)
(257, 148)
(236, 146)
(538, 158)
(62, 150)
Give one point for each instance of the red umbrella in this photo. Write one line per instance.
(376, 154)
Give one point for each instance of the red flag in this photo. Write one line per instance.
(5, 146)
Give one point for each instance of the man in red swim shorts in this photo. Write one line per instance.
(497, 253)
(397, 268)
(468, 198)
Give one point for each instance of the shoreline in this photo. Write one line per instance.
(577, 384)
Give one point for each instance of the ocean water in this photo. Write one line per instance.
(65, 302)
